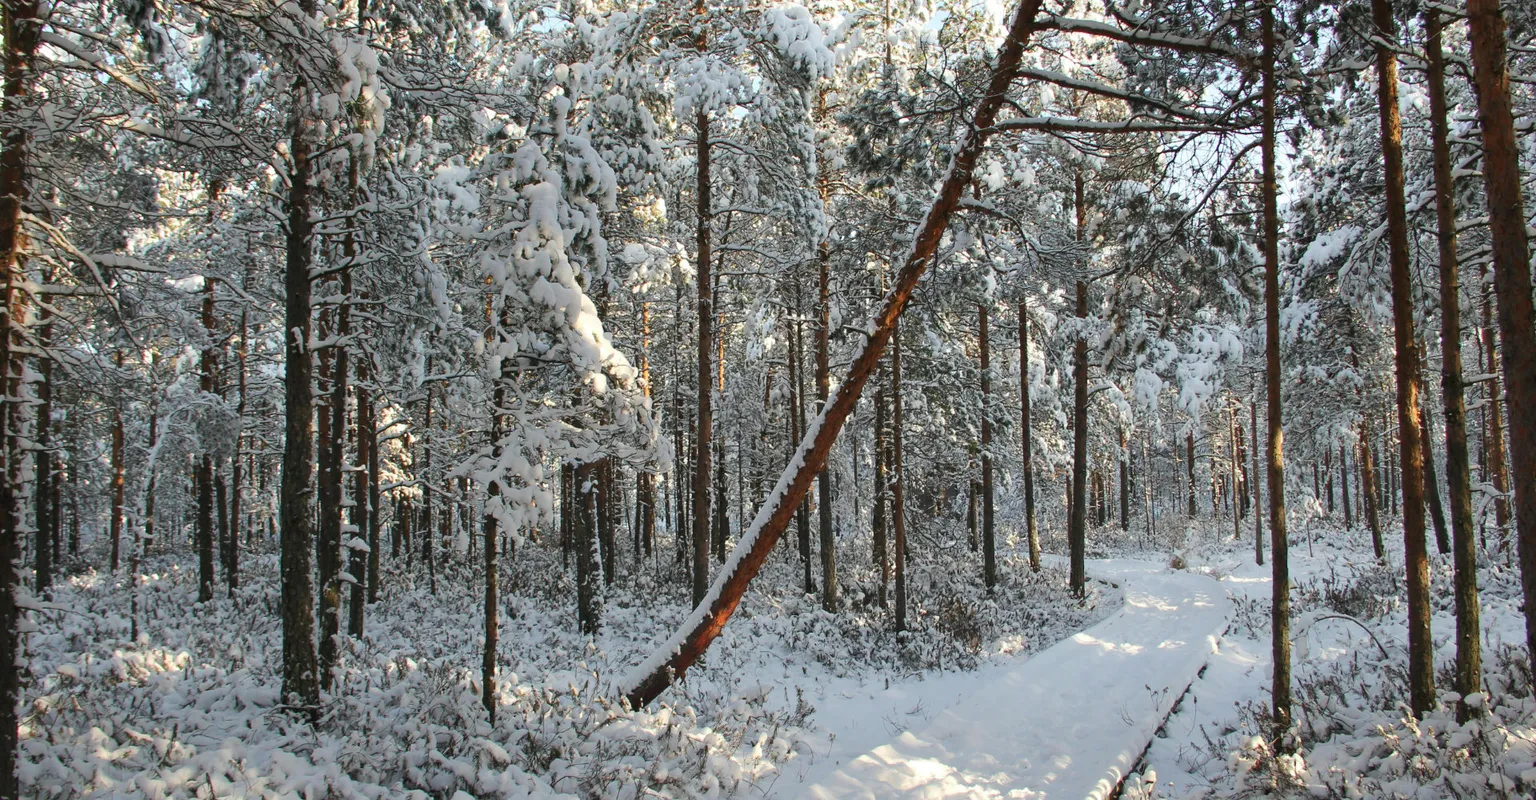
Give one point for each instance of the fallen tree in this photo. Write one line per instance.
(673, 658)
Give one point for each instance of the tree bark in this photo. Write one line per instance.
(1410, 454)
(1253, 480)
(823, 384)
(1027, 441)
(1368, 493)
(706, 382)
(685, 648)
(988, 526)
(1458, 469)
(1280, 603)
(898, 491)
(205, 578)
(42, 550)
(301, 685)
(882, 486)
(22, 30)
(1512, 276)
(1344, 487)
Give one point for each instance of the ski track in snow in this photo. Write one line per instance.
(1067, 724)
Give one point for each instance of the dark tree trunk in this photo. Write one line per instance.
(898, 489)
(1349, 521)
(589, 590)
(1258, 518)
(988, 525)
(205, 576)
(1458, 470)
(706, 382)
(1431, 479)
(1368, 495)
(43, 460)
(796, 432)
(1512, 276)
(1077, 527)
(823, 384)
(1027, 442)
(882, 487)
(301, 684)
(1189, 466)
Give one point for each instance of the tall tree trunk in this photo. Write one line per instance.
(882, 486)
(1431, 479)
(589, 589)
(118, 481)
(706, 382)
(898, 489)
(1027, 441)
(1280, 565)
(1189, 465)
(237, 464)
(1410, 454)
(683, 649)
(1493, 426)
(301, 685)
(1512, 276)
(1125, 482)
(22, 30)
(1344, 487)
(205, 578)
(43, 459)
(369, 431)
(645, 481)
(988, 526)
(796, 433)
(1368, 494)
(1077, 523)
(149, 487)
(1258, 518)
(1237, 460)
(823, 384)
(1458, 470)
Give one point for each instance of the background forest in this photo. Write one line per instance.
(388, 379)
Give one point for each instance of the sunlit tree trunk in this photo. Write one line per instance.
(1512, 276)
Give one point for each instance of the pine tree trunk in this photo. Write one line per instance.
(898, 490)
(1027, 442)
(1237, 460)
(882, 486)
(1431, 479)
(1493, 424)
(796, 433)
(1458, 468)
(1077, 526)
(117, 480)
(205, 577)
(1512, 276)
(237, 464)
(706, 382)
(1258, 518)
(22, 31)
(1125, 482)
(1280, 565)
(149, 487)
(1189, 465)
(988, 523)
(823, 384)
(589, 603)
(1368, 495)
(300, 681)
(1349, 521)
(1410, 452)
(43, 459)
(685, 648)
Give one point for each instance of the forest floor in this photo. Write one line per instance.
(136, 690)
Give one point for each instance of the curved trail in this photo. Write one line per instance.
(1068, 723)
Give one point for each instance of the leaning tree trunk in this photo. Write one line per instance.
(1026, 441)
(675, 656)
(1421, 657)
(1458, 470)
(1280, 565)
(1512, 276)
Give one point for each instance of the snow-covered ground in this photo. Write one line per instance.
(1068, 723)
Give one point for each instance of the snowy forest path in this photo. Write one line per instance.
(1070, 722)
